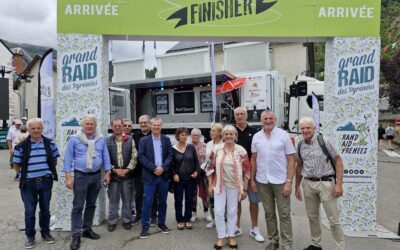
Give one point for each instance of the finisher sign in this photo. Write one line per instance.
(220, 18)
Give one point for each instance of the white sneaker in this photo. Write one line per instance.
(194, 217)
(211, 224)
(238, 232)
(255, 233)
(208, 216)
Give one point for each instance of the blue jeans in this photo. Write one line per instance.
(159, 185)
(32, 192)
(188, 187)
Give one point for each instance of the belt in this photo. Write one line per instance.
(87, 173)
(323, 178)
(41, 178)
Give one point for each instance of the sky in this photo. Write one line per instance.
(34, 22)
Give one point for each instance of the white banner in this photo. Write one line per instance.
(213, 83)
(46, 91)
(82, 88)
(315, 107)
(255, 93)
(351, 121)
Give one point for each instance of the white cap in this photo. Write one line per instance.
(24, 118)
(17, 122)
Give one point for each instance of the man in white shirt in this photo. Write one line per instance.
(272, 171)
(12, 135)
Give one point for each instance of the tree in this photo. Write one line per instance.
(390, 68)
(151, 73)
(390, 36)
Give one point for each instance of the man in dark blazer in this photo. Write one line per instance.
(155, 155)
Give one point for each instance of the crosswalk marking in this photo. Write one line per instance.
(391, 153)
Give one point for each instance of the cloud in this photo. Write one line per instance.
(29, 21)
(35, 22)
(28, 11)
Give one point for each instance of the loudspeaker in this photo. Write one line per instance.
(302, 88)
(293, 90)
(4, 99)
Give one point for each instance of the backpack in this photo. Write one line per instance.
(322, 144)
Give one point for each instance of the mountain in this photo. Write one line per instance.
(72, 122)
(32, 50)
(348, 127)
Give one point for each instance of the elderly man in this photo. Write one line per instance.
(127, 130)
(12, 135)
(36, 159)
(245, 136)
(144, 125)
(86, 153)
(315, 156)
(127, 126)
(155, 155)
(272, 171)
(24, 120)
(121, 148)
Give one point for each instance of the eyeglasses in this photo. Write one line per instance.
(127, 126)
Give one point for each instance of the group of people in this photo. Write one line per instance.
(238, 162)
(390, 134)
(16, 133)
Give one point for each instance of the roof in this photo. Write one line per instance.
(23, 53)
(203, 78)
(36, 59)
(4, 44)
(32, 63)
(182, 46)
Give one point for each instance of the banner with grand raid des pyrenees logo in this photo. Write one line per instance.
(351, 120)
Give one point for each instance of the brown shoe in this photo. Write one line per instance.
(219, 244)
(111, 227)
(272, 246)
(189, 225)
(181, 226)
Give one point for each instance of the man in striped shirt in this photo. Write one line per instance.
(35, 158)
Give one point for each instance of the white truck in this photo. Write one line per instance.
(301, 106)
(262, 90)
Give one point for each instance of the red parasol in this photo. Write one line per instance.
(231, 85)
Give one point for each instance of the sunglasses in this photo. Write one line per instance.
(127, 126)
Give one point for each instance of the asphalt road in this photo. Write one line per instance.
(12, 215)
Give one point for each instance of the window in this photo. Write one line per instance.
(118, 101)
(162, 104)
(320, 101)
(206, 102)
(184, 102)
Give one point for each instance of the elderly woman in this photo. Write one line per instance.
(228, 182)
(216, 139)
(202, 191)
(185, 170)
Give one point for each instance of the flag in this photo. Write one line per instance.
(213, 83)
(110, 51)
(46, 94)
(315, 107)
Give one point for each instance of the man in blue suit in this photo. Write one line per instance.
(155, 154)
